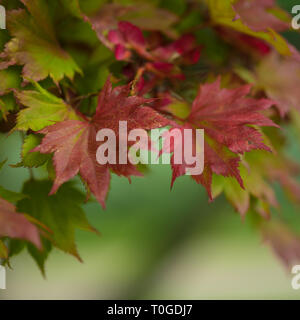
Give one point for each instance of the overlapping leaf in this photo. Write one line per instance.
(155, 53)
(254, 14)
(61, 213)
(280, 79)
(223, 14)
(284, 242)
(225, 115)
(32, 159)
(16, 225)
(145, 16)
(43, 109)
(73, 142)
(34, 45)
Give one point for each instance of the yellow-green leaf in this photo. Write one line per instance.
(223, 14)
(43, 109)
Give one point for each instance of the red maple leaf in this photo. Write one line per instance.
(185, 48)
(245, 42)
(16, 225)
(161, 59)
(74, 145)
(127, 37)
(284, 243)
(254, 13)
(225, 116)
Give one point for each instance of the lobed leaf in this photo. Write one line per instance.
(73, 142)
(43, 109)
(34, 45)
(16, 225)
(62, 213)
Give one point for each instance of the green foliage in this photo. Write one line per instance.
(43, 109)
(70, 68)
(32, 159)
(35, 46)
(61, 213)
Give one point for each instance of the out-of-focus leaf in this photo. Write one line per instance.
(9, 79)
(214, 49)
(92, 6)
(285, 244)
(72, 7)
(256, 186)
(238, 197)
(40, 257)
(10, 195)
(257, 15)
(280, 79)
(34, 44)
(263, 170)
(176, 6)
(3, 250)
(145, 16)
(245, 74)
(105, 19)
(149, 17)
(193, 19)
(61, 213)
(16, 225)
(223, 14)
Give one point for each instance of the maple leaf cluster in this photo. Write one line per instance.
(220, 65)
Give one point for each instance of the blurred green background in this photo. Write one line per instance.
(155, 244)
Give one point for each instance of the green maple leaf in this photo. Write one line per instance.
(40, 257)
(43, 109)
(31, 159)
(61, 213)
(34, 44)
(10, 195)
(7, 194)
